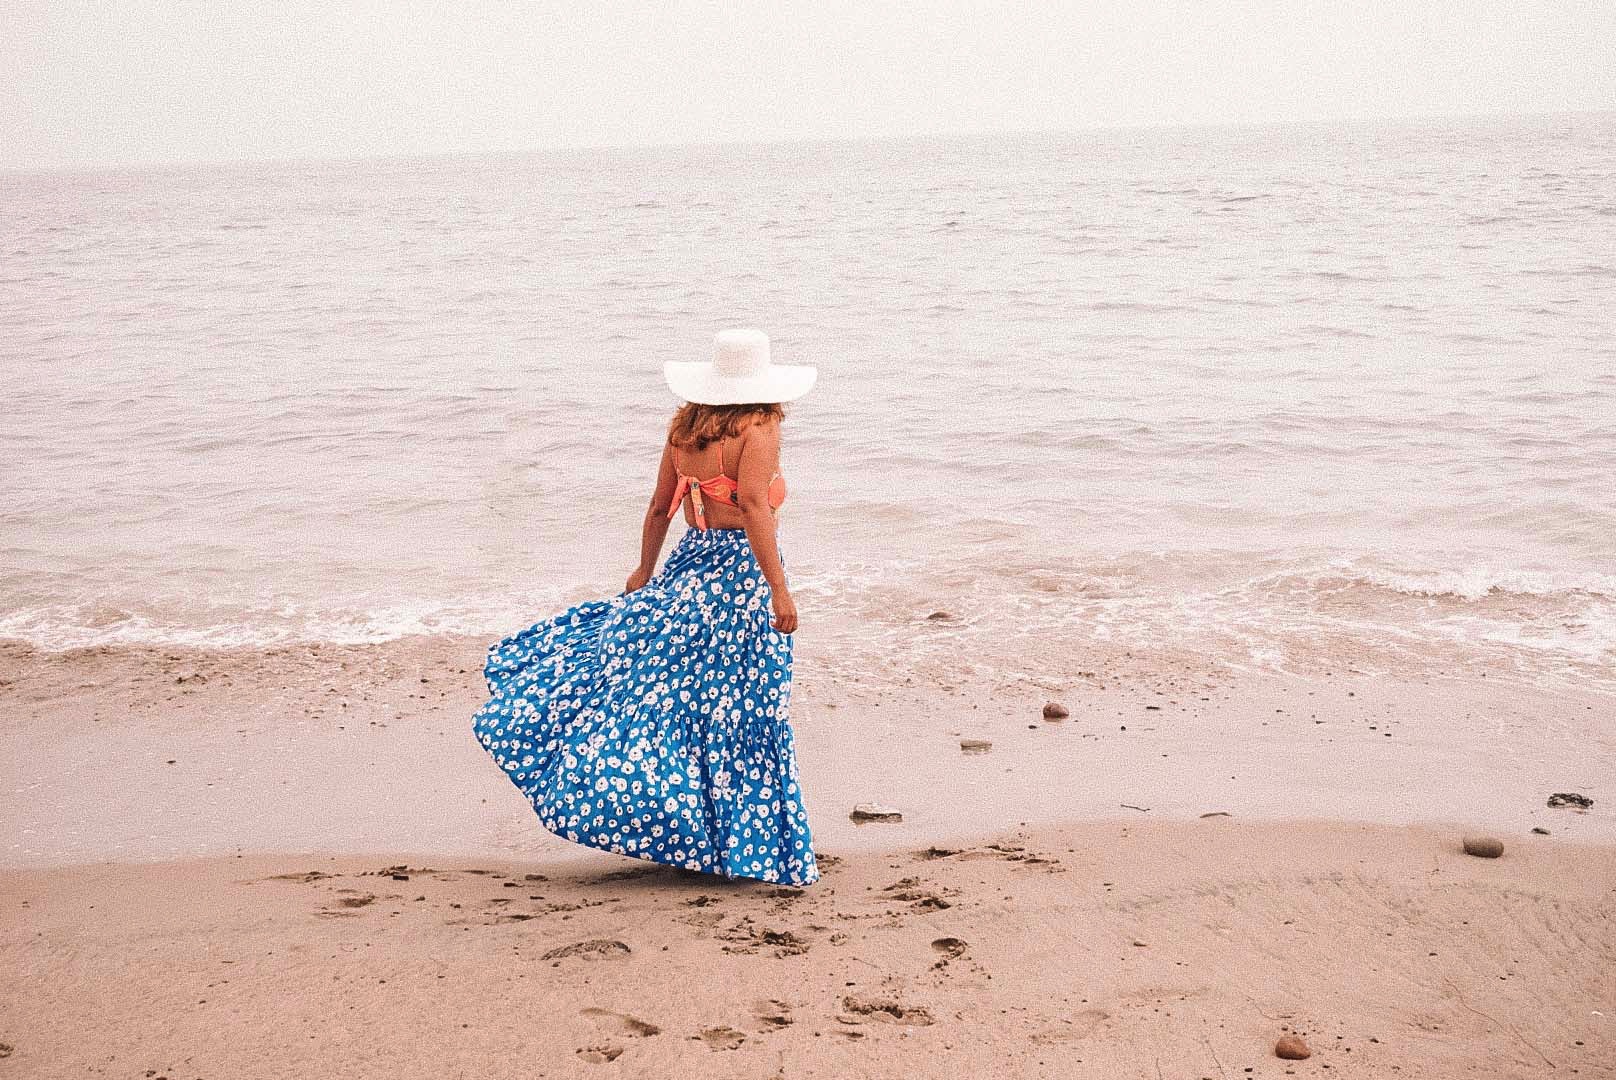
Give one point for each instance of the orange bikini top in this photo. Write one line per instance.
(719, 487)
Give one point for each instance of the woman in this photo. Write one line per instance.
(654, 724)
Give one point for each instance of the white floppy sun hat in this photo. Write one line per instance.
(739, 373)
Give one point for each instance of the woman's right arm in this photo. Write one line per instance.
(760, 460)
(654, 530)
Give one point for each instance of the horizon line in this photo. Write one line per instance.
(155, 165)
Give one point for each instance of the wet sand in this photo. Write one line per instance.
(256, 801)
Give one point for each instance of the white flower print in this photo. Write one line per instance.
(655, 724)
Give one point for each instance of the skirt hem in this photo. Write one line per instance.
(651, 857)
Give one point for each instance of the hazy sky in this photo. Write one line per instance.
(111, 81)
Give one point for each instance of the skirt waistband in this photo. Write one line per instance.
(713, 537)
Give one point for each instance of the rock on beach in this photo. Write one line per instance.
(875, 812)
(1292, 1048)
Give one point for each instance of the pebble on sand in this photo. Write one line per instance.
(1292, 1048)
(875, 812)
(1054, 710)
(976, 746)
(1570, 798)
(1483, 847)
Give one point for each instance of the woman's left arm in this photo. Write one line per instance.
(654, 530)
(760, 460)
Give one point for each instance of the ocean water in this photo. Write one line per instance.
(1288, 397)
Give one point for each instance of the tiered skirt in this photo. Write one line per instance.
(655, 724)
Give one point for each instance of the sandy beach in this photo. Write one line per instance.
(298, 862)
(1198, 423)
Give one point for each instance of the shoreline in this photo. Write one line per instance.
(143, 754)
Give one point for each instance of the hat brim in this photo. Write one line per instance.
(698, 381)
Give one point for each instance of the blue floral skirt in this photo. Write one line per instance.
(654, 724)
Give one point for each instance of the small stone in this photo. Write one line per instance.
(1292, 1048)
(1054, 710)
(875, 812)
(976, 746)
(1540, 830)
(1483, 847)
(1570, 798)
(940, 616)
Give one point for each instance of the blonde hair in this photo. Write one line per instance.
(696, 426)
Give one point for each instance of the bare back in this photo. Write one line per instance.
(730, 456)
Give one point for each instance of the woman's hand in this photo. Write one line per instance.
(637, 580)
(785, 611)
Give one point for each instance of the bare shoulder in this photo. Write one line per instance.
(765, 431)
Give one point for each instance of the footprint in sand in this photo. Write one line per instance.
(889, 1010)
(721, 1038)
(401, 872)
(932, 853)
(600, 1055)
(348, 905)
(595, 949)
(622, 1022)
(747, 937)
(951, 951)
(771, 1015)
(1008, 852)
(919, 897)
(1080, 1026)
